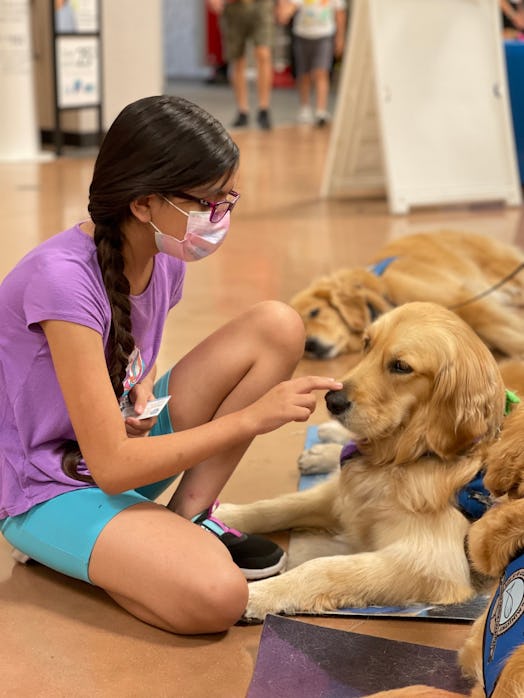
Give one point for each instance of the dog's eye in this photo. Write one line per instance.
(314, 312)
(399, 366)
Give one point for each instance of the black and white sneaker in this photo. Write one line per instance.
(256, 556)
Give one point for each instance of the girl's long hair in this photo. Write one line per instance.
(161, 145)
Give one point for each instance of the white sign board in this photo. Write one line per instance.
(77, 68)
(423, 107)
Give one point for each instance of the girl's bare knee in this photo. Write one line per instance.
(213, 604)
(282, 325)
(227, 600)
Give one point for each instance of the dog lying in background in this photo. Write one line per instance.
(494, 655)
(425, 397)
(442, 267)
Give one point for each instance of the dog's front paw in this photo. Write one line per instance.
(320, 458)
(333, 432)
(267, 596)
(231, 514)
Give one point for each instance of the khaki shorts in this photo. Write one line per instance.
(242, 22)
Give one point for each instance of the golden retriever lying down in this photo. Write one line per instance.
(424, 398)
(443, 267)
(495, 541)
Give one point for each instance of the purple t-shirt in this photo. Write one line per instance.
(60, 280)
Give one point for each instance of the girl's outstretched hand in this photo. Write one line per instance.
(290, 401)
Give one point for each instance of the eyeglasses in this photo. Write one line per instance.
(218, 208)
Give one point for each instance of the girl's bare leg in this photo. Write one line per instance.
(168, 572)
(227, 371)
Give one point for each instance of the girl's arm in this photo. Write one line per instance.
(117, 462)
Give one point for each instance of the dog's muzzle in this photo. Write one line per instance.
(315, 348)
(337, 402)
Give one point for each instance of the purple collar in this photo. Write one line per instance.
(350, 450)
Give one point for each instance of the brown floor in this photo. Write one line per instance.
(64, 638)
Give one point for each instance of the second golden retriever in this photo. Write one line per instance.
(443, 267)
(420, 404)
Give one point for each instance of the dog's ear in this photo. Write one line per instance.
(311, 299)
(319, 288)
(467, 401)
(359, 296)
(323, 288)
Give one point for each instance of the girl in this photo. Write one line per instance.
(79, 335)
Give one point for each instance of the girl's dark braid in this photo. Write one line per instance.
(108, 241)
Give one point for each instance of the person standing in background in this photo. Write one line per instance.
(512, 16)
(319, 30)
(242, 21)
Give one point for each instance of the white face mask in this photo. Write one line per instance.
(202, 237)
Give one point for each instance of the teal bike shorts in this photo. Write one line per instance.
(62, 532)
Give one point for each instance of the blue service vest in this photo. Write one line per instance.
(504, 629)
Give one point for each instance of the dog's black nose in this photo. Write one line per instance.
(311, 345)
(315, 348)
(337, 401)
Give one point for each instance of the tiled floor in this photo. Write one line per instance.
(63, 638)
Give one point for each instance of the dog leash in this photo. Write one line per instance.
(488, 290)
(380, 267)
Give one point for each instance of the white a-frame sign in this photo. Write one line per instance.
(423, 110)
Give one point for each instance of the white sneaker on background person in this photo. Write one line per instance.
(322, 118)
(305, 115)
